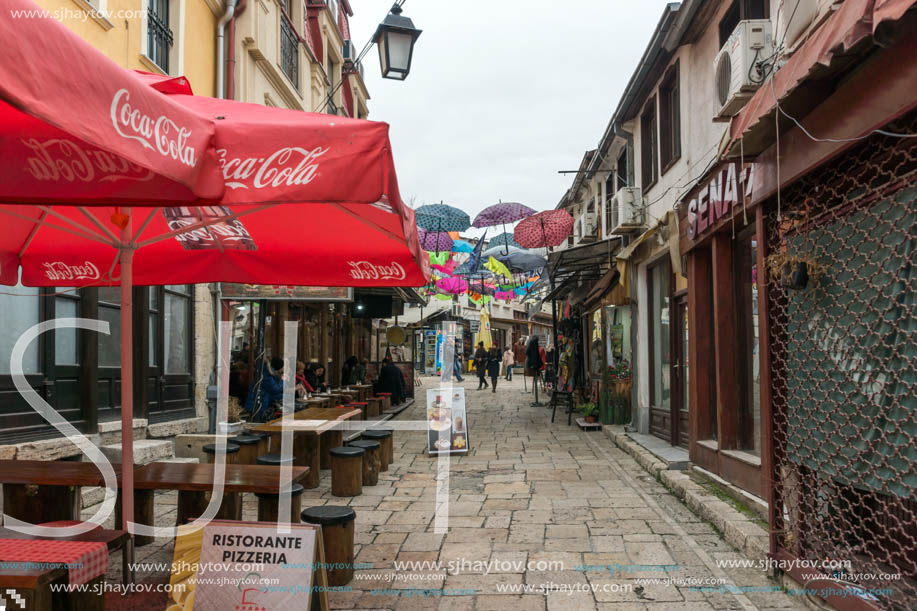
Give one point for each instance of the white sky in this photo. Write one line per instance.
(503, 93)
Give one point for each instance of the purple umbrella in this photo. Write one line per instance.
(435, 241)
(501, 214)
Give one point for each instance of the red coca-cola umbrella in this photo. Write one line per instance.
(128, 188)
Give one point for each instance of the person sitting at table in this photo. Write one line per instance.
(391, 380)
(358, 373)
(315, 375)
(302, 384)
(347, 370)
(271, 391)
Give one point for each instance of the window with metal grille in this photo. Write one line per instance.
(159, 35)
(289, 49)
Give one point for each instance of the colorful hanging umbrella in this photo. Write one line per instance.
(479, 286)
(498, 268)
(434, 241)
(438, 258)
(462, 246)
(523, 261)
(440, 217)
(548, 228)
(504, 239)
(501, 214)
(447, 268)
(452, 286)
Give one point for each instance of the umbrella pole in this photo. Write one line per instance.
(126, 257)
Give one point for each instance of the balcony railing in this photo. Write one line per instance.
(289, 50)
(159, 38)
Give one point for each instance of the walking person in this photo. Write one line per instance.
(533, 360)
(493, 366)
(457, 368)
(480, 364)
(508, 359)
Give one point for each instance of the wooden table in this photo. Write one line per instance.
(333, 399)
(58, 494)
(366, 390)
(34, 585)
(194, 480)
(315, 432)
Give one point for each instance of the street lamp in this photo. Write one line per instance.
(396, 36)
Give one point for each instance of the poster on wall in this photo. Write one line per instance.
(212, 567)
(447, 421)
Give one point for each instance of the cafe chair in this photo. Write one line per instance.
(337, 537)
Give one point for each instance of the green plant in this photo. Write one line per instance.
(588, 409)
(620, 372)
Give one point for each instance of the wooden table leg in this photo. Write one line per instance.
(143, 514)
(312, 459)
(330, 439)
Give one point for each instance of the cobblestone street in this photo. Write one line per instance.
(532, 491)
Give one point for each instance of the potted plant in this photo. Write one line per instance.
(589, 411)
(233, 422)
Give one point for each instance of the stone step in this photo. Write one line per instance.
(145, 451)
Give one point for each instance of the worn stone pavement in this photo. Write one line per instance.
(529, 490)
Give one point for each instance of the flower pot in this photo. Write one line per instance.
(592, 419)
(229, 428)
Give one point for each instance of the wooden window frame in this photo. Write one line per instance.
(670, 118)
(649, 145)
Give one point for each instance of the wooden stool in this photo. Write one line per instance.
(274, 460)
(386, 400)
(363, 406)
(306, 453)
(386, 438)
(373, 407)
(232, 453)
(250, 448)
(333, 438)
(193, 503)
(269, 505)
(264, 445)
(337, 537)
(346, 471)
(371, 460)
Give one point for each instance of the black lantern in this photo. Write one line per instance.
(396, 36)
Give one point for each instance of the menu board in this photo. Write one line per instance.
(230, 565)
(447, 421)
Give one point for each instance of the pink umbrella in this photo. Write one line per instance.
(548, 228)
(447, 268)
(452, 286)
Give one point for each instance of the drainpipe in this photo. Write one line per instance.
(231, 52)
(221, 47)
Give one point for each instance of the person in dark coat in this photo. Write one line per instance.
(271, 389)
(347, 370)
(315, 376)
(358, 373)
(533, 361)
(480, 364)
(391, 380)
(494, 358)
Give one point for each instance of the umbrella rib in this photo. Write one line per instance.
(32, 233)
(143, 227)
(58, 215)
(201, 225)
(77, 232)
(367, 223)
(96, 222)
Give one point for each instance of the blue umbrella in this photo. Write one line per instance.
(504, 239)
(462, 246)
(440, 217)
(522, 261)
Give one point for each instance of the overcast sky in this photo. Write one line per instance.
(503, 93)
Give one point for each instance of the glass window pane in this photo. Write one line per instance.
(154, 335)
(178, 288)
(154, 297)
(660, 332)
(20, 307)
(176, 334)
(110, 294)
(110, 345)
(66, 351)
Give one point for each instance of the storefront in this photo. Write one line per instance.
(608, 327)
(719, 238)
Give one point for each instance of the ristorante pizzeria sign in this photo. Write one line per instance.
(727, 188)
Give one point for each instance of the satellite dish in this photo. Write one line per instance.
(396, 336)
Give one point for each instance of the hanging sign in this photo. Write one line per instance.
(447, 421)
(239, 565)
(716, 198)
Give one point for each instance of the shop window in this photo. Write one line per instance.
(66, 345)
(649, 145)
(659, 299)
(177, 328)
(745, 269)
(617, 334)
(21, 311)
(110, 312)
(670, 119)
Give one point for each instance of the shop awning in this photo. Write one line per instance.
(582, 266)
(828, 50)
(669, 224)
(609, 286)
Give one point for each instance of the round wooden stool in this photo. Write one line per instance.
(386, 438)
(373, 407)
(371, 460)
(232, 453)
(386, 400)
(249, 448)
(269, 505)
(337, 538)
(363, 406)
(264, 443)
(274, 460)
(346, 471)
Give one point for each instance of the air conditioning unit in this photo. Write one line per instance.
(590, 226)
(736, 71)
(627, 213)
(350, 53)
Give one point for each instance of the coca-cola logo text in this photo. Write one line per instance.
(290, 166)
(160, 134)
(60, 159)
(364, 270)
(58, 270)
(228, 231)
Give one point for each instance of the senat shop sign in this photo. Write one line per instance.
(727, 188)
